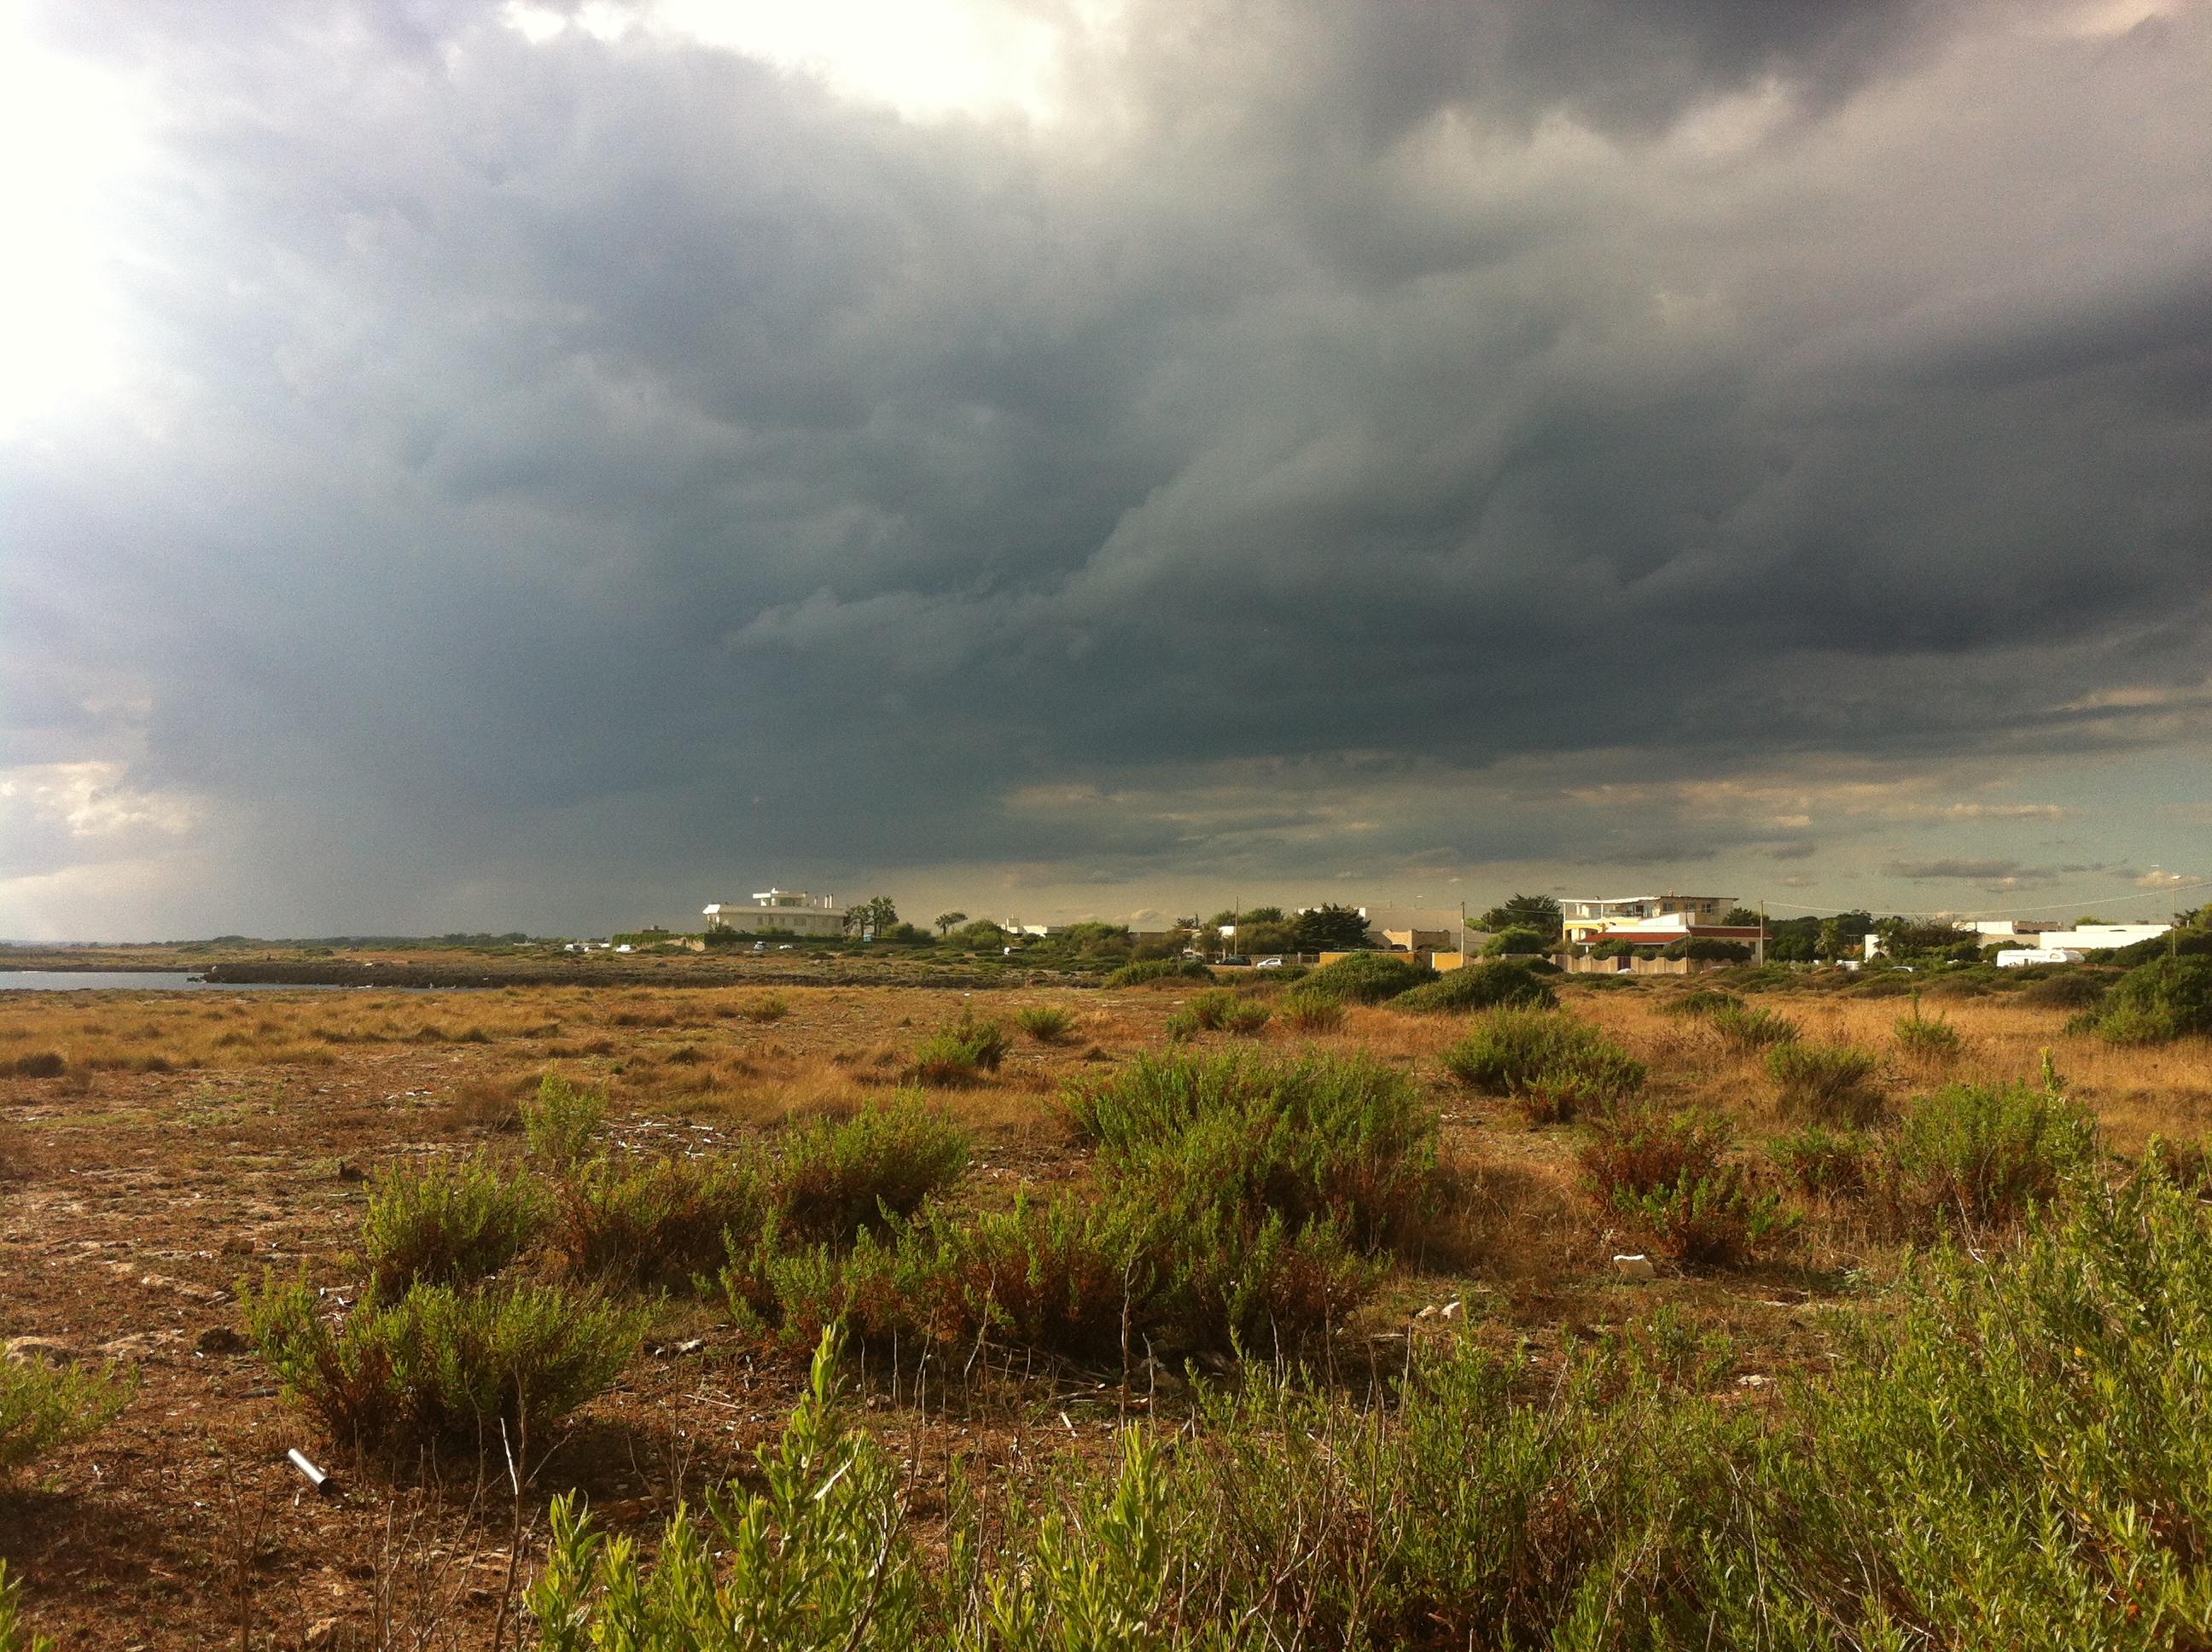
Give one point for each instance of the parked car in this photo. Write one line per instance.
(1236, 960)
(1268, 963)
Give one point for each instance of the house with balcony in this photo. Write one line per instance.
(1587, 920)
(779, 912)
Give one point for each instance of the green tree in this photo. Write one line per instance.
(1741, 918)
(1329, 929)
(1515, 941)
(1841, 935)
(946, 921)
(1538, 912)
(877, 916)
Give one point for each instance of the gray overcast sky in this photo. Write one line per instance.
(549, 466)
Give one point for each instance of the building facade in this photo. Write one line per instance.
(1593, 920)
(779, 912)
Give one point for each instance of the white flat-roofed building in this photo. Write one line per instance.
(779, 912)
(1589, 919)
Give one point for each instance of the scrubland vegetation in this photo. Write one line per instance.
(1184, 1314)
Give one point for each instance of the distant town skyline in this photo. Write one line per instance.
(474, 464)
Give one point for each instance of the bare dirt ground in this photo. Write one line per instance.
(193, 1140)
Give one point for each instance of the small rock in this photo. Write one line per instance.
(220, 1339)
(1452, 1311)
(1753, 1380)
(1428, 1313)
(52, 1351)
(138, 1345)
(1637, 1269)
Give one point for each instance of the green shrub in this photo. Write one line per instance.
(452, 1222)
(1222, 1011)
(1310, 1012)
(837, 1177)
(41, 1064)
(2159, 1001)
(1369, 977)
(561, 1123)
(1700, 1002)
(1668, 1175)
(1929, 1037)
(957, 1054)
(2071, 986)
(1751, 1028)
(1048, 1023)
(1822, 1163)
(1183, 1026)
(1480, 986)
(765, 1010)
(660, 1221)
(1167, 971)
(1520, 1051)
(1519, 941)
(1064, 1277)
(818, 1560)
(1826, 1083)
(12, 1635)
(1982, 1154)
(43, 1408)
(441, 1366)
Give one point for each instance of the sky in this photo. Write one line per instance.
(470, 465)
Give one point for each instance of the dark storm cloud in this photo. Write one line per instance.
(595, 450)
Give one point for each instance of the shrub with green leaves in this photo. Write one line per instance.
(660, 1221)
(1982, 1155)
(959, 1054)
(1822, 1163)
(1700, 1003)
(1048, 1023)
(1530, 1051)
(1306, 1010)
(1168, 972)
(453, 1222)
(1751, 1028)
(818, 1560)
(1826, 1083)
(1369, 977)
(440, 1366)
(765, 1010)
(1480, 986)
(2157, 1002)
(561, 1124)
(1222, 1011)
(836, 1177)
(1669, 1174)
(43, 1408)
(1930, 1038)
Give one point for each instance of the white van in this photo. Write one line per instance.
(2020, 954)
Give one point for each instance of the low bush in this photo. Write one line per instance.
(439, 1366)
(1522, 1052)
(1064, 1277)
(1982, 1155)
(1309, 1011)
(1822, 1163)
(1222, 1011)
(1480, 986)
(660, 1221)
(1183, 1026)
(1751, 1028)
(838, 1177)
(1931, 1038)
(2159, 1001)
(2069, 987)
(43, 1408)
(41, 1064)
(1700, 1002)
(1826, 1083)
(1048, 1023)
(1668, 1174)
(957, 1054)
(452, 1222)
(561, 1123)
(1370, 977)
(1170, 971)
(766, 1009)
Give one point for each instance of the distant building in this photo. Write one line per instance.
(1598, 919)
(779, 912)
(2039, 935)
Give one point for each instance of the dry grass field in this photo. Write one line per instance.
(157, 1149)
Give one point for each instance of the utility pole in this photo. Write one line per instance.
(1463, 936)
(1761, 958)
